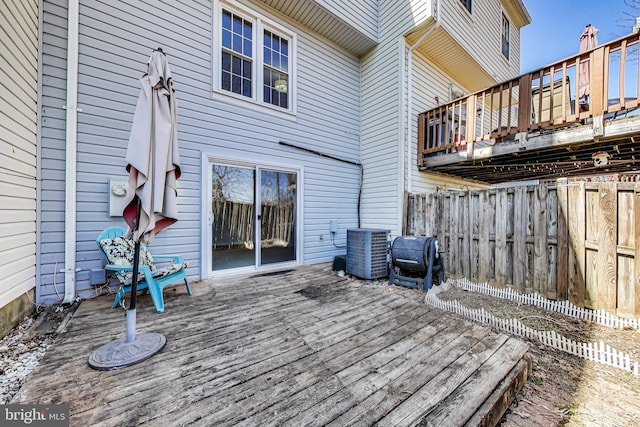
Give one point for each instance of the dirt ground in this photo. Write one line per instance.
(562, 389)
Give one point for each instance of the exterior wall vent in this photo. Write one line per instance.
(367, 252)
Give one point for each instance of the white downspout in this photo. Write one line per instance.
(71, 153)
(409, 96)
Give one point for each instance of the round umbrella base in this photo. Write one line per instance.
(121, 353)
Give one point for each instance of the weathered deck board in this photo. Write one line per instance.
(304, 347)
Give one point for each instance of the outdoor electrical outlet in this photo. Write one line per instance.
(321, 237)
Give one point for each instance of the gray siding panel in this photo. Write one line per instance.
(115, 43)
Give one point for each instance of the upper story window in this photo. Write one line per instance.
(254, 58)
(466, 4)
(505, 36)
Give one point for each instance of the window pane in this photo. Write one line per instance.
(237, 43)
(236, 84)
(266, 53)
(247, 48)
(266, 94)
(236, 67)
(237, 24)
(246, 70)
(246, 88)
(284, 99)
(226, 80)
(276, 50)
(226, 39)
(226, 61)
(276, 88)
(226, 19)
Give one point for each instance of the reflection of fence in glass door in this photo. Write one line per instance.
(233, 203)
(233, 207)
(277, 216)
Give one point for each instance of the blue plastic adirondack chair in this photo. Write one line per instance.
(118, 254)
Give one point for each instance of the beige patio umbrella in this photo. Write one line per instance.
(588, 41)
(153, 163)
(153, 160)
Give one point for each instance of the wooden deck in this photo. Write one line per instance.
(301, 348)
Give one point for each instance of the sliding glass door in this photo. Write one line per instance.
(253, 208)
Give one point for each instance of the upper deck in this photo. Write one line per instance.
(537, 127)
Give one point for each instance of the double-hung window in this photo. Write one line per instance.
(255, 58)
(505, 36)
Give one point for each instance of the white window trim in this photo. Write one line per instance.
(260, 23)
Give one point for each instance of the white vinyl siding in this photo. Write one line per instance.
(365, 10)
(18, 83)
(115, 43)
(479, 35)
(384, 97)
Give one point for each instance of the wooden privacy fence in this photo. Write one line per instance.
(233, 223)
(568, 240)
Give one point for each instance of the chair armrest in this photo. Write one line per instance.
(175, 258)
(112, 267)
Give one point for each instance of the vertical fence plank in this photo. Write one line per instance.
(576, 218)
(552, 243)
(625, 261)
(409, 221)
(501, 213)
(562, 259)
(474, 226)
(635, 274)
(483, 236)
(519, 238)
(606, 287)
(540, 258)
(466, 234)
(452, 228)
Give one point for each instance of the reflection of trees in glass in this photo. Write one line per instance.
(232, 184)
(278, 187)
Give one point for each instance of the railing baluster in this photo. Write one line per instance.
(623, 55)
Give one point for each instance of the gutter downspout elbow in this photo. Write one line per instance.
(71, 138)
(408, 175)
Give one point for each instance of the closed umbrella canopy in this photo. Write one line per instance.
(588, 41)
(153, 160)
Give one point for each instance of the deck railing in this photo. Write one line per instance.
(544, 99)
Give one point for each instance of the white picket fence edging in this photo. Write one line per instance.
(597, 352)
(599, 317)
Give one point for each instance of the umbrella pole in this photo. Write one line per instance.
(131, 312)
(133, 349)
